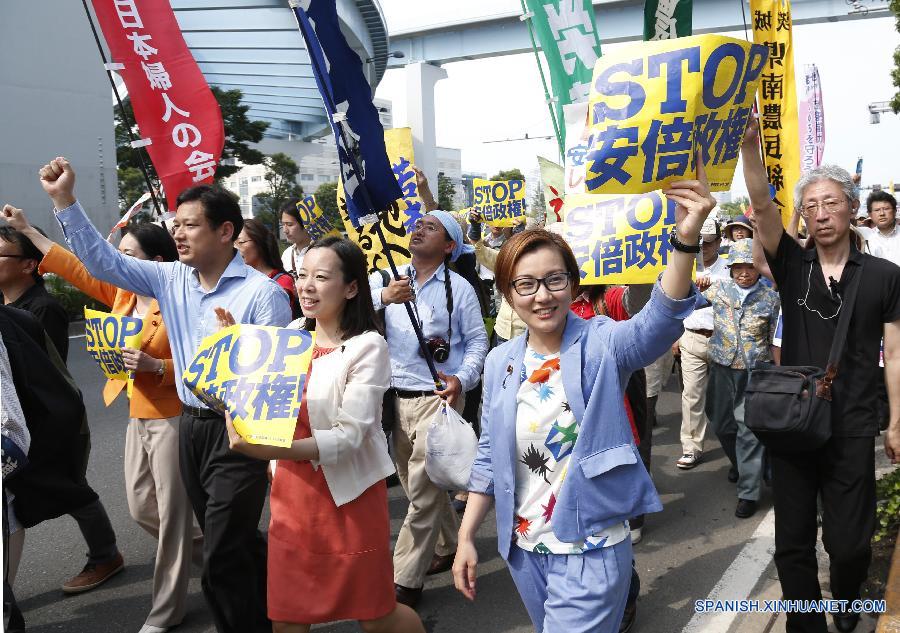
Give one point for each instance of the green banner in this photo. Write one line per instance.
(568, 36)
(667, 19)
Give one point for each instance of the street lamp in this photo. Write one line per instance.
(394, 54)
(876, 109)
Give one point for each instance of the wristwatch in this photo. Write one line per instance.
(162, 368)
(678, 245)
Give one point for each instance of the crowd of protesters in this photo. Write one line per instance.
(565, 406)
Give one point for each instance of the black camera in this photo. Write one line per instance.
(439, 348)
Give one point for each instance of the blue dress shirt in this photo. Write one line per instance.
(187, 309)
(468, 346)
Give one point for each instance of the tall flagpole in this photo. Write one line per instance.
(339, 126)
(125, 119)
(526, 17)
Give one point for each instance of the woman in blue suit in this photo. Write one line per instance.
(556, 454)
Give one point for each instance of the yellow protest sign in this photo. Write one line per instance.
(105, 335)
(257, 374)
(314, 220)
(397, 222)
(654, 103)
(501, 202)
(778, 120)
(619, 239)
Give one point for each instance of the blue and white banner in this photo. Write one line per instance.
(365, 169)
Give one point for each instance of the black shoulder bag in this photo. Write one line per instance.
(789, 408)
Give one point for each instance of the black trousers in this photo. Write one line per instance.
(843, 471)
(227, 492)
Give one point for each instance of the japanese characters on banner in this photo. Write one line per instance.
(652, 104)
(778, 100)
(568, 36)
(105, 336)
(177, 114)
(552, 178)
(812, 120)
(667, 19)
(256, 374)
(314, 220)
(619, 239)
(500, 202)
(578, 141)
(398, 221)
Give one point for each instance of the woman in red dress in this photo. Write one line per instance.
(329, 536)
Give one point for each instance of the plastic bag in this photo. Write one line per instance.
(450, 449)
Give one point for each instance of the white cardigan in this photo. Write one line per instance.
(344, 399)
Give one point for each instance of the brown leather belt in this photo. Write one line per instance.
(706, 333)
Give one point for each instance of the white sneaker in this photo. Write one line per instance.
(149, 628)
(688, 461)
(636, 535)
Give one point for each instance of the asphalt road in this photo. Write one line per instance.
(685, 551)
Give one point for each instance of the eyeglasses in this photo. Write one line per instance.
(421, 225)
(831, 206)
(554, 282)
(242, 242)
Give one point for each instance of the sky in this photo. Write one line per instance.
(473, 103)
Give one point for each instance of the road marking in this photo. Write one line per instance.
(76, 336)
(739, 579)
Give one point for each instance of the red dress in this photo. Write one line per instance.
(326, 562)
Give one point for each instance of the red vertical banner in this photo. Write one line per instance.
(177, 114)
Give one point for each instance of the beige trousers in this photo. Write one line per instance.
(158, 502)
(695, 375)
(658, 373)
(430, 514)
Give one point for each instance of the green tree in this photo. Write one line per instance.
(239, 132)
(446, 193)
(509, 174)
(281, 175)
(131, 186)
(895, 73)
(326, 198)
(734, 208)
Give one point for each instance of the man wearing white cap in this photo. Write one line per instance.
(449, 314)
(694, 349)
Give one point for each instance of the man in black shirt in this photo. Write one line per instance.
(23, 287)
(812, 282)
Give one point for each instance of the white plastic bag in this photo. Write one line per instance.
(450, 449)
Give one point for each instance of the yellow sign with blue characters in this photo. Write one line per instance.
(257, 374)
(655, 104)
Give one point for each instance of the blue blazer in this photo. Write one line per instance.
(607, 482)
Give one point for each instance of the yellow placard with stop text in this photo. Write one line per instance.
(500, 202)
(654, 104)
(398, 222)
(257, 375)
(314, 220)
(620, 239)
(105, 336)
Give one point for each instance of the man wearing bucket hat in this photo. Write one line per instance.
(745, 315)
(450, 316)
(693, 347)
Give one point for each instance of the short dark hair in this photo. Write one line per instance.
(265, 243)
(881, 196)
(219, 206)
(359, 313)
(527, 242)
(154, 240)
(290, 207)
(29, 250)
